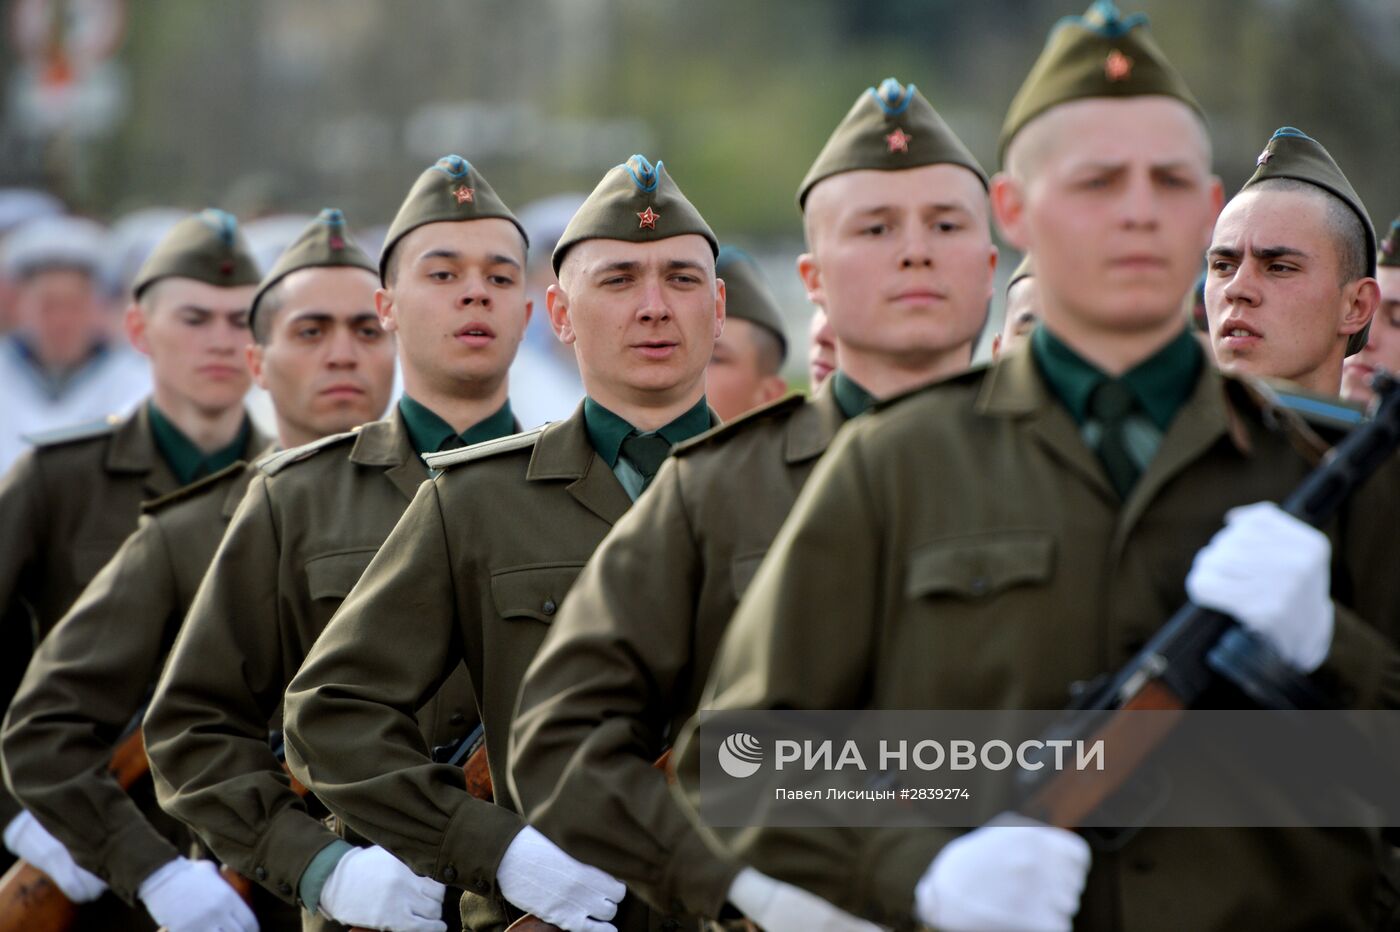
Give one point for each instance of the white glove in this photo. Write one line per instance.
(539, 878)
(775, 906)
(1011, 874)
(370, 887)
(27, 839)
(1273, 573)
(190, 896)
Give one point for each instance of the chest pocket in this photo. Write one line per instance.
(333, 575)
(743, 568)
(533, 591)
(980, 565)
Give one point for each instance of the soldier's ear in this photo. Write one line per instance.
(254, 353)
(1362, 299)
(721, 306)
(1009, 208)
(556, 303)
(809, 270)
(134, 322)
(384, 307)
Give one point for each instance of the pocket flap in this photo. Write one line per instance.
(533, 591)
(981, 564)
(333, 575)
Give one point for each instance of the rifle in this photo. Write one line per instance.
(1199, 647)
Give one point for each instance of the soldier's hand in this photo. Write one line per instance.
(190, 896)
(1011, 875)
(539, 878)
(370, 887)
(775, 906)
(27, 839)
(1273, 573)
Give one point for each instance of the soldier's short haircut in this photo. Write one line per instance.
(1345, 226)
(269, 304)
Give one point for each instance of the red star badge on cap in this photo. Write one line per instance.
(464, 194)
(1264, 157)
(898, 141)
(648, 219)
(337, 243)
(1117, 66)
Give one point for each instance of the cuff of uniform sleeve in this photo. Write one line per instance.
(285, 849)
(888, 870)
(314, 878)
(130, 855)
(697, 879)
(472, 847)
(1354, 671)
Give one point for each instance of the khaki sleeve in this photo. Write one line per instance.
(594, 705)
(207, 726)
(829, 579)
(86, 684)
(350, 728)
(22, 534)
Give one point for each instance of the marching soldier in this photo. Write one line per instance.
(889, 228)
(487, 552)
(328, 366)
(453, 292)
(985, 542)
(67, 505)
(745, 372)
(1382, 349)
(1291, 285)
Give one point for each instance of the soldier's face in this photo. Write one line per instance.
(196, 335)
(327, 362)
(1274, 298)
(642, 317)
(1115, 200)
(60, 313)
(901, 261)
(458, 304)
(1382, 343)
(737, 379)
(1022, 311)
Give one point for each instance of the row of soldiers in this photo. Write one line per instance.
(333, 616)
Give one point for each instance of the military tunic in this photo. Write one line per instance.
(623, 664)
(304, 532)
(91, 677)
(480, 563)
(965, 551)
(65, 508)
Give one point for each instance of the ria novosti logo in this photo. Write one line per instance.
(740, 755)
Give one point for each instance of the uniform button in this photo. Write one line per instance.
(457, 718)
(449, 874)
(260, 872)
(284, 888)
(479, 882)
(979, 585)
(549, 607)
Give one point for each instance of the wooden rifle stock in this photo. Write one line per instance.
(1175, 667)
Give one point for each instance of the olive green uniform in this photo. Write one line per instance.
(624, 662)
(965, 550)
(306, 529)
(481, 563)
(76, 702)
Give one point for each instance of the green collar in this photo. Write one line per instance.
(1161, 383)
(431, 434)
(851, 398)
(187, 461)
(606, 430)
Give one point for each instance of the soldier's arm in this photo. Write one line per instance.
(207, 726)
(21, 531)
(350, 728)
(86, 683)
(593, 710)
(807, 635)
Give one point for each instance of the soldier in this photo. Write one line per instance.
(745, 372)
(821, 349)
(1382, 350)
(328, 366)
(1022, 309)
(453, 292)
(66, 505)
(627, 656)
(1291, 284)
(485, 555)
(972, 546)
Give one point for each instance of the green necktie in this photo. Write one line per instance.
(1111, 405)
(646, 452)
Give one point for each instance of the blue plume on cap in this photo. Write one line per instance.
(644, 176)
(1103, 17)
(223, 222)
(893, 97)
(332, 216)
(1283, 131)
(453, 166)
